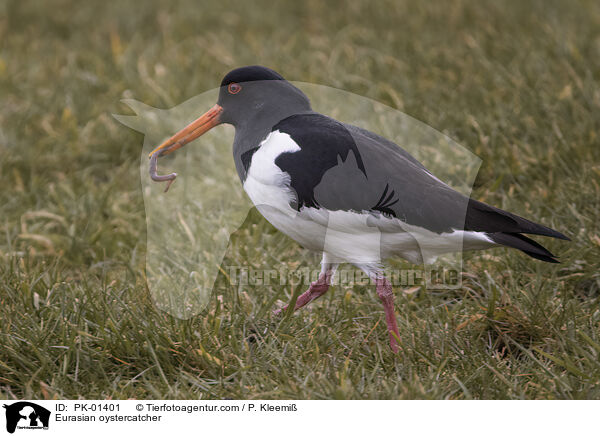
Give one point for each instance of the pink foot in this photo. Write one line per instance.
(384, 291)
(315, 290)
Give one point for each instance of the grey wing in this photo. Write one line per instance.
(393, 183)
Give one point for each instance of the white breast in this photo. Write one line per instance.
(269, 189)
(266, 184)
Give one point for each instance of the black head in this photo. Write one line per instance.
(251, 98)
(252, 73)
(255, 92)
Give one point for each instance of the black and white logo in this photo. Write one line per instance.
(26, 415)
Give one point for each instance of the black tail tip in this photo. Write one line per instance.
(561, 236)
(542, 257)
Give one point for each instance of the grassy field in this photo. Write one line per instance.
(515, 82)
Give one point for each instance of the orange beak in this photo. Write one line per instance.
(195, 129)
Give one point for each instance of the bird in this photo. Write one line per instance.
(346, 192)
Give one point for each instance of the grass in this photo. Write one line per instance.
(516, 83)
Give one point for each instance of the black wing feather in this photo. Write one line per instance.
(482, 217)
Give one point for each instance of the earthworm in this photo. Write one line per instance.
(170, 178)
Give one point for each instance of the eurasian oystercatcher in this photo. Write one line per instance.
(344, 191)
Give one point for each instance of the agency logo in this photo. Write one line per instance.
(26, 415)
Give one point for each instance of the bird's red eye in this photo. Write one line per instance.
(234, 88)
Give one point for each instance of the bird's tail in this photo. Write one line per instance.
(523, 243)
(505, 228)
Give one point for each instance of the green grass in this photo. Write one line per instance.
(515, 82)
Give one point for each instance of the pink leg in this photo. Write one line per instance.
(315, 290)
(384, 291)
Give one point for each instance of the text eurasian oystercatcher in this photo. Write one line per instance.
(344, 191)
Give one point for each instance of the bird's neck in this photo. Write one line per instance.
(250, 133)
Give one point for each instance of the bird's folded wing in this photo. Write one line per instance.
(342, 167)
